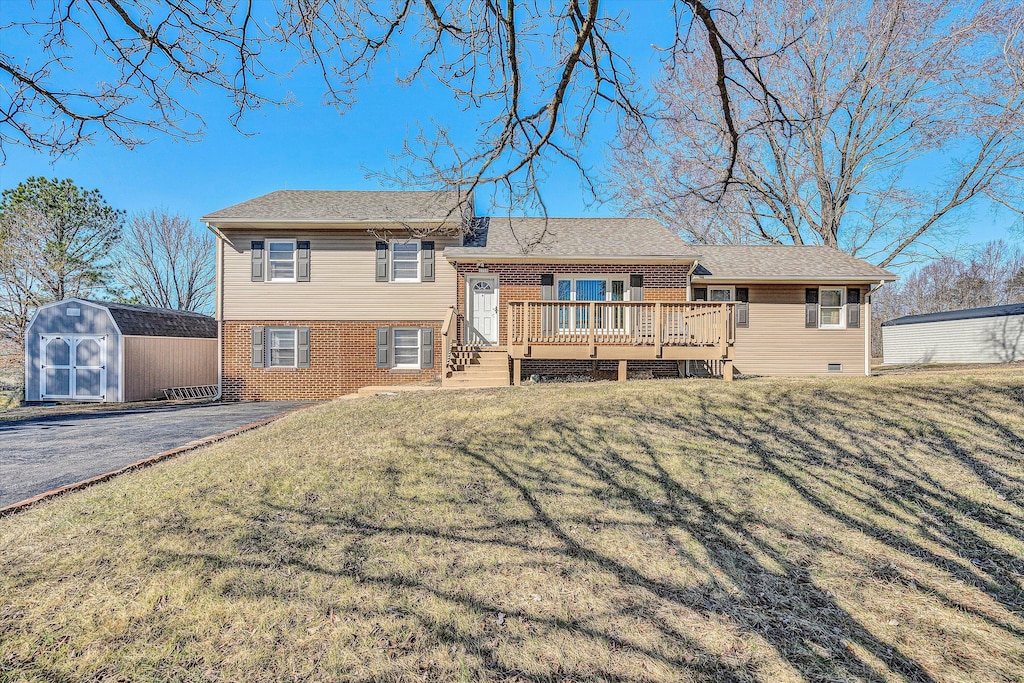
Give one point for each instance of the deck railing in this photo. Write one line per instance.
(621, 323)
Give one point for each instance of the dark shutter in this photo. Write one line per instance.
(700, 293)
(811, 307)
(742, 307)
(302, 350)
(636, 287)
(257, 260)
(427, 261)
(383, 347)
(547, 287)
(853, 308)
(382, 262)
(302, 261)
(426, 347)
(259, 347)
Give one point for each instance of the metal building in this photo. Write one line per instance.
(994, 334)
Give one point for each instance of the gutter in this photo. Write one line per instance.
(522, 258)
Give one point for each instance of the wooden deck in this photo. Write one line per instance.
(621, 330)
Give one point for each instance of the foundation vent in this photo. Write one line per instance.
(835, 367)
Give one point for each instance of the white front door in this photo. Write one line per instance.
(73, 367)
(482, 321)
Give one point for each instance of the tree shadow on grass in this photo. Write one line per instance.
(859, 477)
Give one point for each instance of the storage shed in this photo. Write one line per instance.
(994, 334)
(82, 350)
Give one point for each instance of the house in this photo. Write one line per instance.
(993, 334)
(82, 350)
(320, 293)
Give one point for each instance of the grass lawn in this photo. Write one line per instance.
(769, 530)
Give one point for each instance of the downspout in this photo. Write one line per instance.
(867, 328)
(218, 309)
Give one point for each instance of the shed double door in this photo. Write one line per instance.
(73, 367)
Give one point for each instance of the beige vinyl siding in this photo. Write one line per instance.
(777, 343)
(977, 340)
(341, 286)
(152, 364)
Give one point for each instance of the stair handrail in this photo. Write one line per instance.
(447, 336)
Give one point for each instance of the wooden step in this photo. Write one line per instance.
(472, 383)
(499, 362)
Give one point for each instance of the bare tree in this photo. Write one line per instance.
(23, 231)
(166, 262)
(992, 276)
(832, 126)
(538, 74)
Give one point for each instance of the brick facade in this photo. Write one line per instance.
(343, 358)
(521, 282)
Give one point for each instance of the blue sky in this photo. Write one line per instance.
(309, 146)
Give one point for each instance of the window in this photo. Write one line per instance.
(405, 261)
(280, 260)
(830, 308)
(407, 347)
(721, 293)
(282, 347)
(593, 288)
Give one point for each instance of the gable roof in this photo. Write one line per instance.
(341, 206)
(964, 314)
(753, 262)
(147, 321)
(592, 239)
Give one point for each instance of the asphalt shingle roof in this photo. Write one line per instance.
(147, 321)
(329, 206)
(783, 262)
(570, 238)
(965, 314)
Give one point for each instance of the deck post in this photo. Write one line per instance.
(508, 325)
(593, 322)
(622, 370)
(727, 370)
(724, 312)
(517, 372)
(658, 329)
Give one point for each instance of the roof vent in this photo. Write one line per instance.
(835, 367)
(73, 312)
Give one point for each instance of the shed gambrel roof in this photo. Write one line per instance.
(341, 206)
(766, 263)
(570, 238)
(964, 314)
(147, 321)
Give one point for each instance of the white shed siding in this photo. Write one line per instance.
(977, 340)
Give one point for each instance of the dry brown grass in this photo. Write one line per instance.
(770, 530)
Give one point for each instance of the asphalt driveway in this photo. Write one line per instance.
(41, 454)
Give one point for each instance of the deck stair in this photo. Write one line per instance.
(477, 367)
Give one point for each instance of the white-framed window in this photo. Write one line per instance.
(405, 261)
(406, 342)
(832, 308)
(721, 293)
(281, 260)
(593, 288)
(282, 347)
